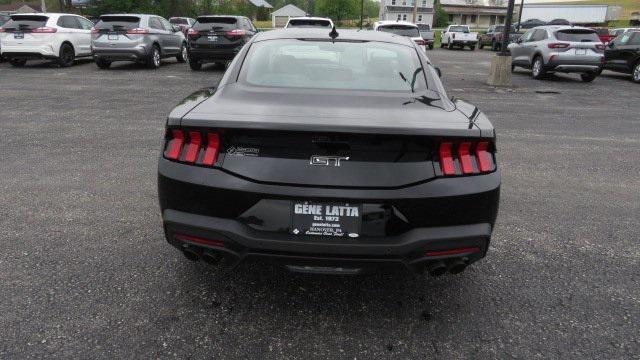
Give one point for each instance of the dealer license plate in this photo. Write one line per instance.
(326, 219)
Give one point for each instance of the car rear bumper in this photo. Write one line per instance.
(130, 54)
(208, 211)
(213, 55)
(464, 42)
(575, 64)
(29, 52)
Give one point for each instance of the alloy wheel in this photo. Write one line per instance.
(185, 53)
(156, 58)
(636, 73)
(537, 67)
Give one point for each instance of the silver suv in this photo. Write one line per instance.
(567, 49)
(136, 37)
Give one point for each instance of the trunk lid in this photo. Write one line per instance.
(340, 140)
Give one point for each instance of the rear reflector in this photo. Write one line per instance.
(199, 240)
(472, 157)
(189, 150)
(469, 250)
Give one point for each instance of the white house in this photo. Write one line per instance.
(280, 17)
(395, 10)
(476, 13)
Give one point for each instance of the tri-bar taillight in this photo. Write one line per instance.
(466, 157)
(192, 146)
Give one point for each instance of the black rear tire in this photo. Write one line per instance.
(481, 46)
(472, 47)
(588, 77)
(431, 47)
(537, 68)
(17, 62)
(103, 64)
(635, 75)
(154, 59)
(67, 55)
(183, 56)
(195, 65)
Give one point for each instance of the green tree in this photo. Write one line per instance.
(338, 10)
(441, 18)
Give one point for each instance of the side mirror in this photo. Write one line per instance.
(439, 72)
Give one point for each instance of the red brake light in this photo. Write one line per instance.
(2, 30)
(174, 146)
(193, 146)
(558, 45)
(446, 159)
(453, 251)
(192, 33)
(199, 240)
(485, 158)
(138, 31)
(464, 154)
(44, 30)
(421, 42)
(236, 32)
(211, 152)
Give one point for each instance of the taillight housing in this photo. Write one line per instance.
(236, 32)
(198, 147)
(420, 42)
(600, 47)
(44, 30)
(558, 45)
(466, 157)
(192, 34)
(138, 31)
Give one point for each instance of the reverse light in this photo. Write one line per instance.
(465, 157)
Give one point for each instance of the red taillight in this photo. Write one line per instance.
(236, 32)
(446, 159)
(192, 33)
(193, 146)
(188, 150)
(2, 30)
(558, 45)
(420, 42)
(94, 30)
(453, 36)
(469, 250)
(600, 46)
(211, 152)
(44, 30)
(138, 31)
(472, 157)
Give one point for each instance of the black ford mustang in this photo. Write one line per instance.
(330, 153)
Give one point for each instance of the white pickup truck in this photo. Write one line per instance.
(460, 36)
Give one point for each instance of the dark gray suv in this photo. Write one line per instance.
(136, 37)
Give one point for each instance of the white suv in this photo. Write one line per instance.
(61, 37)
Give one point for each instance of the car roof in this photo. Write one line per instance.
(561, 27)
(309, 18)
(323, 34)
(138, 15)
(224, 16)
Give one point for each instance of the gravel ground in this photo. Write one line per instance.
(85, 271)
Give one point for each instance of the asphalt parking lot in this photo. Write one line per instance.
(85, 271)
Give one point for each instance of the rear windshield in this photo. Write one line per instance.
(401, 30)
(602, 32)
(3, 19)
(216, 23)
(577, 35)
(462, 29)
(309, 23)
(118, 22)
(341, 65)
(25, 22)
(178, 21)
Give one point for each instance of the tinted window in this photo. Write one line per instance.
(309, 23)
(25, 22)
(216, 23)
(179, 21)
(623, 39)
(68, 22)
(86, 24)
(3, 19)
(118, 22)
(340, 65)
(401, 30)
(577, 35)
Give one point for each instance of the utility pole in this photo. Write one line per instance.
(507, 28)
(361, 13)
(415, 11)
(43, 6)
(520, 15)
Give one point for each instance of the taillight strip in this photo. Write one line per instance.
(193, 146)
(211, 153)
(464, 153)
(175, 145)
(446, 159)
(485, 158)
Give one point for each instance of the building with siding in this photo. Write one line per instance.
(475, 13)
(402, 10)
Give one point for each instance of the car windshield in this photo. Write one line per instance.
(215, 23)
(118, 22)
(401, 30)
(25, 22)
(343, 65)
(577, 35)
(309, 23)
(463, 29)
(179, 21)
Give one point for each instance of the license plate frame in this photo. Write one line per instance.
(581, 51)
(326, 219)
(18, 35)
(113, 37)
(212, 38)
